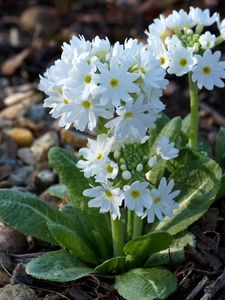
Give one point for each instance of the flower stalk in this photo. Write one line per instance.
(137, 226)
(117, 236)
(193, 92)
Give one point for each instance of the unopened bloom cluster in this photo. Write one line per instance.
(119, 172)
(120, 83)
(183, 43)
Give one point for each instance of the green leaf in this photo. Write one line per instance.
(175, 253)
(65, 164)
(142, 247)
(95, 227)
(28, 214)
(58, 266)
(72, 241)
(199, 181)
(220, 147)
(146, 284)
(114, 264)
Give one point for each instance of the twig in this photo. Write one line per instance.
(198, 288)
(213, 288)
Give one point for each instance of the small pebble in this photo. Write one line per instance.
(73, 138)
(4, 279)
(41, 146)
(26, 155)
(17, 292)
(21, 176)
(45, 178)
(22, 136)
(11, 240)
(35, 112)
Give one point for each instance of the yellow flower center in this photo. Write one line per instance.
(206, 70)
(142, 69)
(183, 62)
(108, 194)
(99, 156)
(66, 101)
(109, 169)
(114, 82)
(59, 90)
(162, 60)
(157, 200)
(86, 104)
(135, 194)
(128, 115)
(87, 78)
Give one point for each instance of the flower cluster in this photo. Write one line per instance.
(183, 45)
(119, 172)
(120, 83)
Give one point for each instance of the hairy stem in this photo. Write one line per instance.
(117, 237)
(137, 226)
(193, 92)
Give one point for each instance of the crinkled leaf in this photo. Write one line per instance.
(65, 164)
(60, 266)
(72, 241)
(138, 249)
(199, 181)
(146, 284)
(220, 147)
(114, 264)
(95, 227)
(175, 253)
(28, 214)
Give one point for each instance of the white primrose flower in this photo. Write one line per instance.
(179, 20)
(163, 201)
(173, 43)
(221, 27)
(157, 28)
(96, 152)
(159, 51)
(78, 47)
(165, 149)
(209, 70)
(108, 198)
(115, 83)
(133, 120)
(181, 61)
(137, 197)
(202, 17)
(207, 40)
(80, 78)
(108, 169)
(84, 112)
(150, 69)
(100, 47)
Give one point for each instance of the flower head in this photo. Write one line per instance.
(137, 197)
(165, 149)
(163, 201)
(209, 70)
(108, 198)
